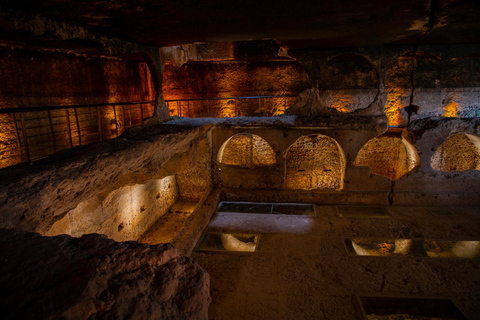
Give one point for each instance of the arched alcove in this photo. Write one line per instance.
(315, 162)
(460, 152)
(389, 155)
(246, 150)
(349, 82)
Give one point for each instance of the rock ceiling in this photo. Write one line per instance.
(326, 24)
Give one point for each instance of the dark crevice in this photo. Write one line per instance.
(390, 194)
(382, 285)
(412, 77)
(434, 8)
(432, 21)
(411, 108)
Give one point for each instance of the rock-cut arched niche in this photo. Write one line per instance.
(246, 150)
(460, 152)
(389, 155)
(348, 82)
(315, 162)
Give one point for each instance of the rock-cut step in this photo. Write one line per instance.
(167, 227)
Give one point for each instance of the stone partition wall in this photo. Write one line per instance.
(403, 178)
(195, 183)
(281, 139)
(118, 187)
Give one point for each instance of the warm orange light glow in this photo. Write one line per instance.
(10, 153)
(226, 109)
(393, 106)
(202, 83)
(451, 107)
(315, 162)
(246, 150)
(341, 101)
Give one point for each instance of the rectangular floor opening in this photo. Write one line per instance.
(386, 308)
(362, 212)
(441, 212)
(266, 208)
(228, 242)
(378, 247)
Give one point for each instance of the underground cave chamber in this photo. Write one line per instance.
(238, 180)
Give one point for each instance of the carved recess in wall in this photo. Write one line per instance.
(389, 155)
(246, 150)
(315, 162)
(349, 82)
(460, 152)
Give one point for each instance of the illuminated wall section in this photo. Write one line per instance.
(34, 79)
(10, 149)
(398, 86)
(246, 150)
(122, 215)
(442, 87)
(460, 152)
(195, 82)
(315, 162)
(448, 87)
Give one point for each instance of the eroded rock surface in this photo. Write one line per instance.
(93, 277)
(52, 190)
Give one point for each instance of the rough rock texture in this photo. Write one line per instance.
(165, 229)
(349, 82)
(184, 224)
(211, 79)
(459, 152)
(201, 80)
(34, 78)
(93, 277)
(315, 162)
(217, 51)
(422, 185)
(194, 183)
(32, 198)
(246, 150)
(441, 80)
(122, 215)
(389, 155)
(322, 24)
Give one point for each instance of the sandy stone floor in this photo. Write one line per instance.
(301, 269)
